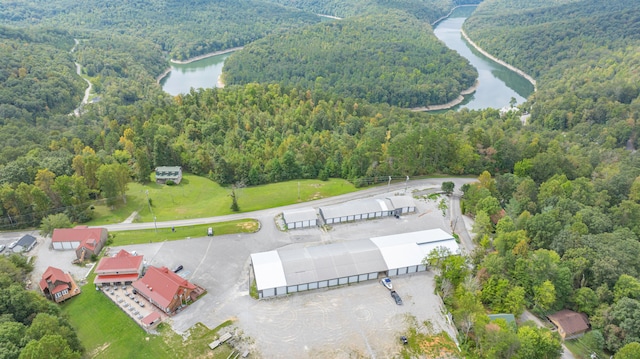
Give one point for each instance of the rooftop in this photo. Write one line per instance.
(77, 234)
(122, 262)
(161, 285)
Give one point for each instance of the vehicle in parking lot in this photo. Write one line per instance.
(178, 268)
(404, 340)
(2, 247)
(210, 231)
(387, 283)
(13, 244)
(396, 297)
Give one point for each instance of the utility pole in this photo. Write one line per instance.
(155, 223)
(406, 184)
(389, 184)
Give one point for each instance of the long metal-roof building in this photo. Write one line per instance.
(290, 270)
(367, 208)
(300, 218)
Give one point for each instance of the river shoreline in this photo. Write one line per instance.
(493, 58)
(450, 104)
(193, 59)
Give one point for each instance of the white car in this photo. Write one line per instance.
(13, 244)
(2, 247)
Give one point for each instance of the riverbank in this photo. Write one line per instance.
(493, 58)
(450, 104)
(216, 53)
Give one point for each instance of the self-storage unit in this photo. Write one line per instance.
(367, 209)
(300, 218)
(291, 270)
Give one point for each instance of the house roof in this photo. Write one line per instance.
(115, 278)
(509, 318)
(26, 241)
(299, 215)
(161, 285)
(54, 275)
(570, 321)
(122, 262)
(76, 234)
(168, 172)
(149, 319)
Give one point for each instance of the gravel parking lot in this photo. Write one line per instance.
(359, 320)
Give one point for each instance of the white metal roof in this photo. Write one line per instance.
(299, 215)
(402, 201)
(268, 270)
(407, 249)
(352, 208)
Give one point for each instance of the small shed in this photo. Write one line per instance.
(25, 244)
(300, 218)
(570, 324)
(168, 173)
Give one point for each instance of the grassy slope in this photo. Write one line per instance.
(198, 197)
(166, 234)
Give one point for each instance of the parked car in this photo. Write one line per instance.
(404, 340)
(396, 297)
(2, 247)
(13, 244)
(210, 232)
(387, 283)
(178, 268)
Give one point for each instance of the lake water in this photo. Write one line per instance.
(198, 74)
(497, 84)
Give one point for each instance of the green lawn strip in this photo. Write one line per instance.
(197, 197)
(107, 332)
(122, 238)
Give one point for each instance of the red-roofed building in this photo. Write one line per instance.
(58, 285)
(123, 268)
(85, 241)
(165, 289)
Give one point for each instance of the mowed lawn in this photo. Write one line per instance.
(107, 332)
(122, 238)
(197, 197)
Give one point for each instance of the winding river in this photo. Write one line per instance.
(497, 85)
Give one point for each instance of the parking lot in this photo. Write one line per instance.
(359, 320)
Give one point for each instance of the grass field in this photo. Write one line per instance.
(580, 349)
(107, 332)
(122, 238)
(197, 197)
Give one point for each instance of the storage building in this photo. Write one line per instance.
(300, 218)
(290, 270)
(367, 209)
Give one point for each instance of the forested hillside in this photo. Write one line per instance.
(183, 29)
(426, 10)
(585, 55)
(392, 58)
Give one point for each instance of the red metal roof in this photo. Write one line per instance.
(123, 262)
(161, 285)
(115, 278)
(150, 318)
(60, 288)
(53, 275)
(76, 234)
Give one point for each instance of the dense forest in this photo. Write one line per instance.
(426, 10)
(182, 29)
(388, 58)
(30, 325)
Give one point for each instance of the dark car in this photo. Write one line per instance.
(404, 340)
(178, 268)
(396, 297)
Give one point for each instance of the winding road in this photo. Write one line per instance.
(87, 92)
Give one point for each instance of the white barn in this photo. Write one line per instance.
(300, 218)
(287, 270)
(367, 209)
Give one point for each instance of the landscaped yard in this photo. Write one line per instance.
(197, 197)
(122, 238)
(107, 332)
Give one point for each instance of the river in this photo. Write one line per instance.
(201, 73)
(497, 84)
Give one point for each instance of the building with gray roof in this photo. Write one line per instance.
(300, 218)
(366, 209)
(290, 270)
